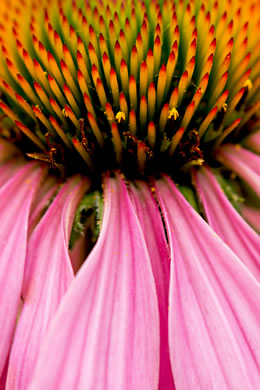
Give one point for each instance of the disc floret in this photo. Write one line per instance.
(148, 87)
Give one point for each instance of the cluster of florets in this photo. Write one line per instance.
(148, 88)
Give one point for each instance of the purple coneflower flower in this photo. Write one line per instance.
(129, 189)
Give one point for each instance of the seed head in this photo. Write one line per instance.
(145, 86)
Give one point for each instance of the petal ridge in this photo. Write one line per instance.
(101, 326)
(213, 304)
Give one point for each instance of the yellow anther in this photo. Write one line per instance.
(225, 106)
(120, 117)
(248, 84)
(173, 113)
(64, 113)
(200, 161)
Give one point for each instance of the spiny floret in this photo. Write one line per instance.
(147, 86)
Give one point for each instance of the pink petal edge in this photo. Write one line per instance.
(106, 332)
(214, 318)
(243, 162)
(227, 222)
(16, 199)
(153, 231)
(252, 141)
(252, 216)
(48, 274)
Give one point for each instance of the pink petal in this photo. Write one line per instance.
(16, 199)
(4, 375)
(8, 169)
(106, 332)
(153, 231)
(252, 216)
(253, 141)
(48, 273)
(43, 199)
(243, 162)
(227, 222)
(214, 304)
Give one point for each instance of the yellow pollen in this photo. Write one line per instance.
(120, 117)
(173, 113)
(225, 106)
(193, 163)
(248, 84)
(65, 113)
(199, 161)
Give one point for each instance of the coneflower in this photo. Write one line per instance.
(130, 141)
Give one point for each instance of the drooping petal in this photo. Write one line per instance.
(8, 169)
(253, 142)
(153, 231)
(252, 216)
(243, 162)
(214, 304)
(48, 274)
(16, 199)
(43, 199)
(227, 222)
(3, 377)
(106, 332)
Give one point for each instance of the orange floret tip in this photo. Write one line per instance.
(150, 53)
(157, 30)
(37, 86)
(117, 46)
(105, 57)
(90, 47)
(66, 88)
(101, 38)
(157, 41)
(36, 110)
(51, 57)
(143, 66)
(65, 49)
(79, 55)
(52, 101)
(19, 45)
(80, 74)
(62, 64)
(123, 64)
(112, 72)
